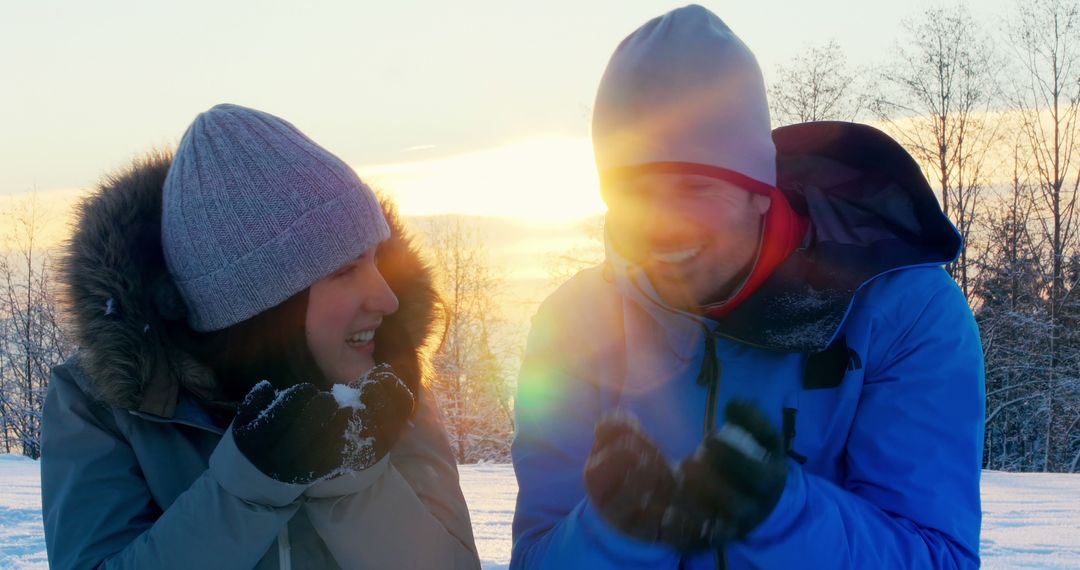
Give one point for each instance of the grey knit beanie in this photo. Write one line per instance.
(254, 212)
(683, 88)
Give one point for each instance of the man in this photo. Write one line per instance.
(757, 286)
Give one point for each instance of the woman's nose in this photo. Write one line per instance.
(380, 298)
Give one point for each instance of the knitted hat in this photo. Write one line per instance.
(254, 211)
(684, 89)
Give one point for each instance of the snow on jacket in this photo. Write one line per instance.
(860, 347)
(137, 473)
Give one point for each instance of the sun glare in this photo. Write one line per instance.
(543, 179)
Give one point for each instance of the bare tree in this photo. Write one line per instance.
(817, 85)
(937, 99)
(470, 379)
(1067, 442)
(1045, 35)
(32, 335)
(563, 265)
(1012, 318)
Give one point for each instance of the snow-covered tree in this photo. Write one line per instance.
(1045, 37)
(470, 376)
(32, 336)
(1012, 317)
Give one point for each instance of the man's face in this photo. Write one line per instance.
(696, 237)
(344, 310)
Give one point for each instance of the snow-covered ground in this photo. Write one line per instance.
(22, 540)
(1030, 520)
(491, 491)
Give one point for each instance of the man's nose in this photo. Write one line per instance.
(663, 225)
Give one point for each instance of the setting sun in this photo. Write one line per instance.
(542, 179)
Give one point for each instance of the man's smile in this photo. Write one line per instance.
(676, 256)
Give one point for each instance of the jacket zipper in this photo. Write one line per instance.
(709, 375)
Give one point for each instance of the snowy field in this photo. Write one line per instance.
(1030, 520)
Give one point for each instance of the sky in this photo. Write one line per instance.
(474, 107)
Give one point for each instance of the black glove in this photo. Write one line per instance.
(376, 426)
(299, 434)
(294, 435)
(729, 485)
(628, 479)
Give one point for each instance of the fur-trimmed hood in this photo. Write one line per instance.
(128, 317)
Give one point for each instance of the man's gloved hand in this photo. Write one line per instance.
(730, 485)
(386, 404)
(628, 479)
(293, 435)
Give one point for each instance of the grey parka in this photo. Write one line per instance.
(136, 472)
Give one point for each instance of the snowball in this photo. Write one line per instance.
(742, 441)
(348, 396)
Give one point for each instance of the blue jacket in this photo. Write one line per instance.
(860, 347)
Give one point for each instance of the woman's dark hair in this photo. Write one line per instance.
(271, 346)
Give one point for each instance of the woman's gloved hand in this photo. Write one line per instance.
(301, 434)
(385, 405)
(295, 435)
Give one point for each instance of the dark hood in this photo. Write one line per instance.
(129, 320)
(871, 211)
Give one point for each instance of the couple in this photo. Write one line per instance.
(770, 369)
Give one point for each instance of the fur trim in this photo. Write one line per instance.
(130, 322)
(405, 338)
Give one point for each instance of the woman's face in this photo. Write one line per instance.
(344, 309)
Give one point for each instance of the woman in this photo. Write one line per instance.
(230, 305)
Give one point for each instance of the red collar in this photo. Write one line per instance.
(783, 233)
